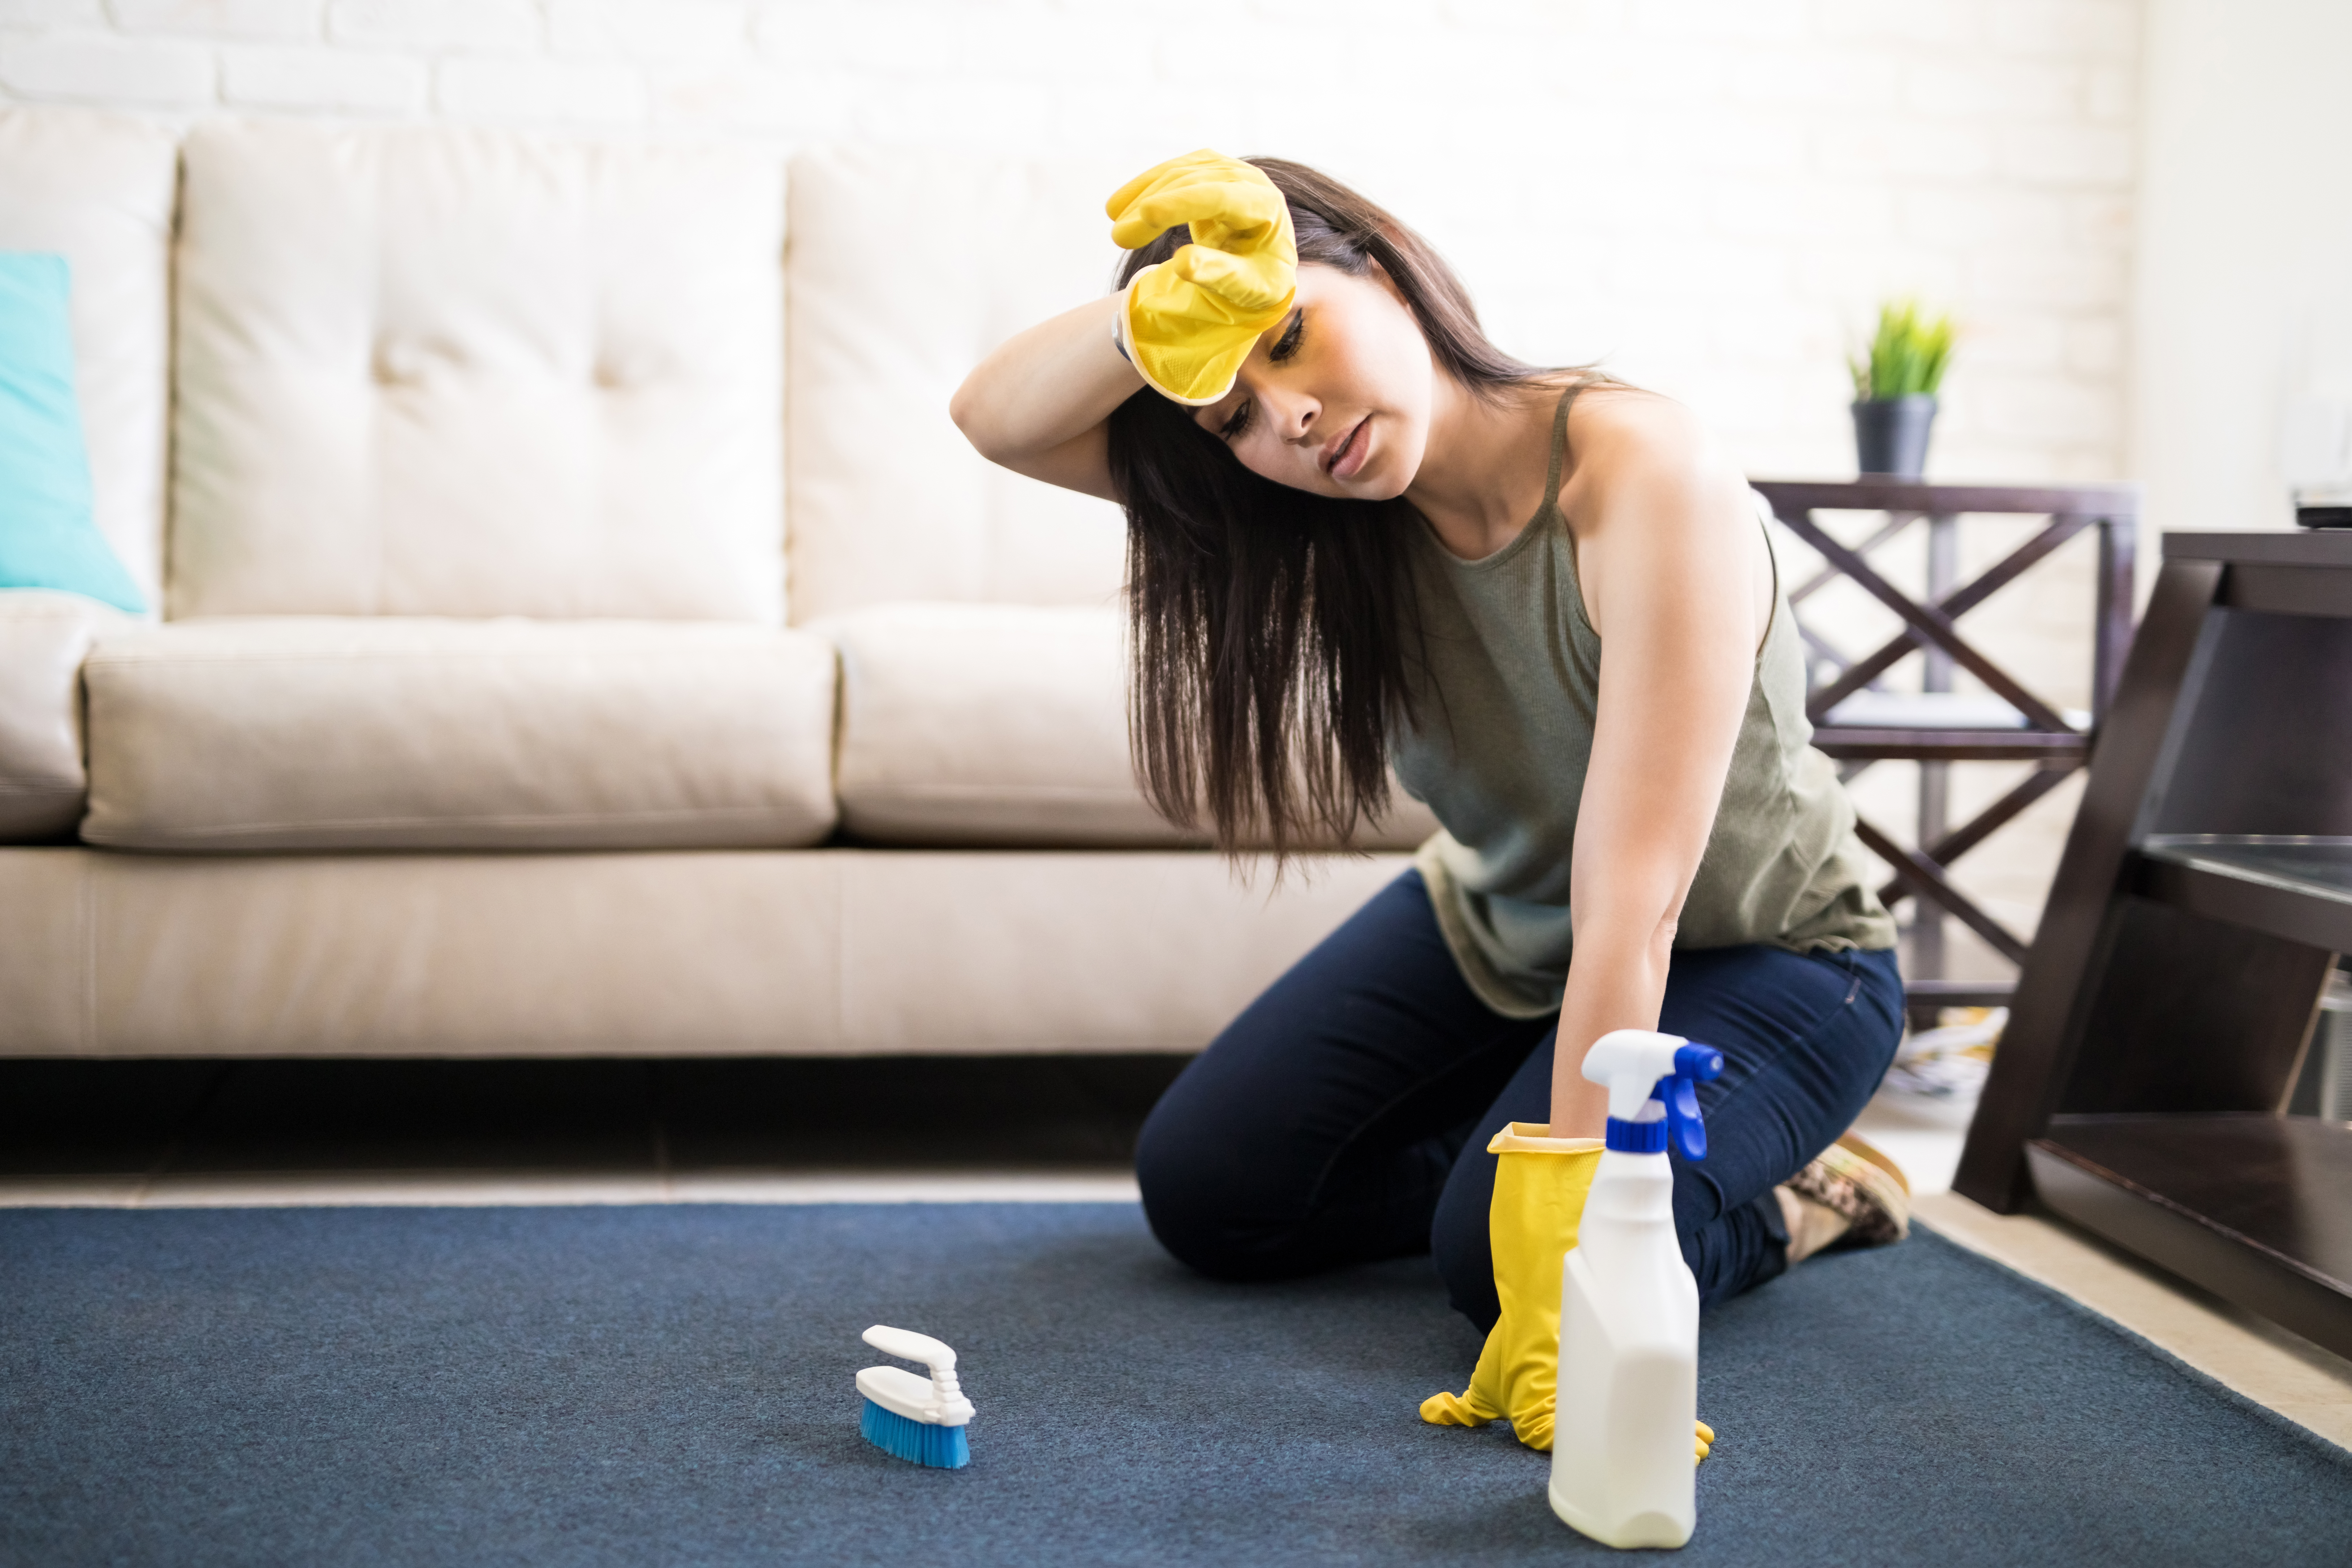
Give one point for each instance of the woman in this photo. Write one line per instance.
(1360, 537)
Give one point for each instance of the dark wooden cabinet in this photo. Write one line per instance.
(2163, 1011)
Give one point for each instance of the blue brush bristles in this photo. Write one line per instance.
(941, 1448)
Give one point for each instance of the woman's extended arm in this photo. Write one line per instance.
(1037, 405)
(1676, 583)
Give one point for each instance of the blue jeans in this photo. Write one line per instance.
(1344, 1116)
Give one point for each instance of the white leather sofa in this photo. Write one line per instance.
(579, 628)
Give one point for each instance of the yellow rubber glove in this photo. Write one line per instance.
(1540, 1183)
(1188, 322)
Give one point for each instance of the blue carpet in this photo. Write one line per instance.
(673, 1386)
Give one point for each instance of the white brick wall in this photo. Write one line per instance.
(504, 25)
(219, 18)
(334, 81)
(1711, 194)
(93, 68)
(2244, 298)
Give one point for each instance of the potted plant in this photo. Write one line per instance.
(1894, 389)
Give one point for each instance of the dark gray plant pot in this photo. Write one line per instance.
(1890, 434)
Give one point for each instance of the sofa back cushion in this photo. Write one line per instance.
(98, 191)
(436, 371)
(905, 268)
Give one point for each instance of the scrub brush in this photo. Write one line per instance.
(905, 1414)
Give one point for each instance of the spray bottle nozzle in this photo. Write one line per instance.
(1694, 1065)
(1642, 1068)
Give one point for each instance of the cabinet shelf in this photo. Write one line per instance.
(1883, 744)
(2251, 1207)
(2295, 887)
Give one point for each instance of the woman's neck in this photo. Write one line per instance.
(1482, 475)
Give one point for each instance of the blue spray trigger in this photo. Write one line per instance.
(1694, 1065)
(1682, 1119)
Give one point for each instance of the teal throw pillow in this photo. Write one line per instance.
(48, 539)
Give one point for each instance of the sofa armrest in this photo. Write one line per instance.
(42, 639)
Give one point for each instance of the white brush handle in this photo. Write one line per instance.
(941, 1403)
(912, 1346)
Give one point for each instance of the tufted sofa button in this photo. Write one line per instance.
(399, 360)
(616, 372)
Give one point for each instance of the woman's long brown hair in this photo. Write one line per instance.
(1271, 628)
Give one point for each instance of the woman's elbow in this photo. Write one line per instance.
(1661, 935)
(1635, 929)
(965, 409)
(975, 415)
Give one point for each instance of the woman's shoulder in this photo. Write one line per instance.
(1640, 455)
(1654, 498)
(1618, 434)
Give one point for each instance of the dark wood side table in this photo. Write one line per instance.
(2170, 992)
(1930, 734)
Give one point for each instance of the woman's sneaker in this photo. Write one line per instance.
(1857, 1183)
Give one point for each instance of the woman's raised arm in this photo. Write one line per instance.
(1037, 405)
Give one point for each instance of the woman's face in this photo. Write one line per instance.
(1336, 398)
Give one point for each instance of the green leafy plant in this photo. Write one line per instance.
(1908, 356)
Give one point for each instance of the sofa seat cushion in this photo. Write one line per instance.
(330, 733)
(1001, 724)
(44, 636)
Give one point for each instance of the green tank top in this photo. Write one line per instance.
(1502, 733)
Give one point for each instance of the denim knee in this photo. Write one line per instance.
(1169, 1188)
(1460, 1246)
(1183, 1180)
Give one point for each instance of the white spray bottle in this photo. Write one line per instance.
(1622, 1467)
